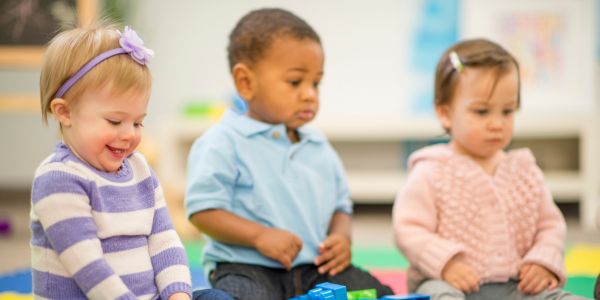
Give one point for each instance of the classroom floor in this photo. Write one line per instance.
(372, 241)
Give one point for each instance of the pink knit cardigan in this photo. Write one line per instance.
(450, 206)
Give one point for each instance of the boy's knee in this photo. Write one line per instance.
(211, 294)
(356, 279)
(242, 287)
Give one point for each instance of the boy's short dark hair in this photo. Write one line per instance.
(254, 33)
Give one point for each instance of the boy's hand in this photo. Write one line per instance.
(534, 278)
(335, 254)
(280, 245)
(179, 296)
(461, 276)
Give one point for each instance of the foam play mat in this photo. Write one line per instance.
(582, 262)
(386, 263)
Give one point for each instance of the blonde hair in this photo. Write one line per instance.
(71, 49)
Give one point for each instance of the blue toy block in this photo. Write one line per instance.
(407, 297)
(325, 291)
(332, 291)
(339, 291)
(320, 294)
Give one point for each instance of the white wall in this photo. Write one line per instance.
(24, 140)
(367, 65)
(365, 47)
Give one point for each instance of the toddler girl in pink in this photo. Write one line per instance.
(475, 221)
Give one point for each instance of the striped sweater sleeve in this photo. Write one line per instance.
(61, 206)
(169, 259)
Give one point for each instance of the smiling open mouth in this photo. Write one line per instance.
(116, 150)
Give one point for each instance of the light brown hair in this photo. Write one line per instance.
(71, 49)
(474, 53)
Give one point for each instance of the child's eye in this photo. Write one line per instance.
(508, 111)
(295, 83)
(113, 122)
(481, 112)
(316, 84)
(138, 124)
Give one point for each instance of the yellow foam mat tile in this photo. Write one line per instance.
(583, 260)
(14, 296)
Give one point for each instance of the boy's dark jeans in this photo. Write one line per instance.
(210, 294)
(244, 281)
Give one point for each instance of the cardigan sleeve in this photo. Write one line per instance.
(415, 222)
(548, 245)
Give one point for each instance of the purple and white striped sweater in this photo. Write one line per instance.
(100, 235)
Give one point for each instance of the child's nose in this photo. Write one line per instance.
(128, 132)
(496, 123)
(309, 94)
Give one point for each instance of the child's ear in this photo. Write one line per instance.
(61, 111)
(245, 81)
(443, 114)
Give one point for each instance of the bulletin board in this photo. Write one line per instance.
(554, 42)
(26, 27)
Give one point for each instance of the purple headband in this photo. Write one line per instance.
(130, 43)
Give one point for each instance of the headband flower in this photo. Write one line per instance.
(134, 45)
(130, 44)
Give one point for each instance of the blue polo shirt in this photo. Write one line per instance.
(252, 169)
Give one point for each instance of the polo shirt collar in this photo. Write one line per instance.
(249, 127)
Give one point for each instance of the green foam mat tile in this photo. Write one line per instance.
(581, 285)
(378, 257)
(193, 249)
